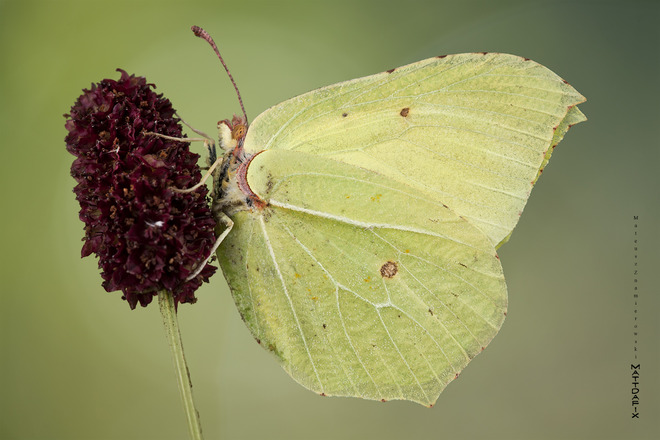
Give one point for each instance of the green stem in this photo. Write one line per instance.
(168, 312)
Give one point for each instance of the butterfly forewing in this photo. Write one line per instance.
(470, 131)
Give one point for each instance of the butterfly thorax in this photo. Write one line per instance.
(231, 191)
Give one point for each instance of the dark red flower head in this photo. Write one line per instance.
(147, 236)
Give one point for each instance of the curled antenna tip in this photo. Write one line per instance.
(198, 31)
(201, 33)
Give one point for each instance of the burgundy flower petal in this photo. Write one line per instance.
(147, 236)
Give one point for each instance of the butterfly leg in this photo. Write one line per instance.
(210, 146)
(208, 174)
(178, 139)
(229, 224)
(199, 132)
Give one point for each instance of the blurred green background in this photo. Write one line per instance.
(76, 363)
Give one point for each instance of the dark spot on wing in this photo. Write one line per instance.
(405, 111)
(431, 312)
(463, 265)
(441, 56)
(266, 214)
(389, 269)
(391, 70)
(344, 115)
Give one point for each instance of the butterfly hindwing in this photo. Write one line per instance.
(357, 283)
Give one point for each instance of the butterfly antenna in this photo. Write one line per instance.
(201, 33)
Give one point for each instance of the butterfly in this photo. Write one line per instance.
(363, 218)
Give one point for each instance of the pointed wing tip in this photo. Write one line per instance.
(579, 116)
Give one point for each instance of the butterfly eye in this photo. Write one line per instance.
(238, 132)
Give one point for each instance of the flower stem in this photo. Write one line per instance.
(168, 311)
